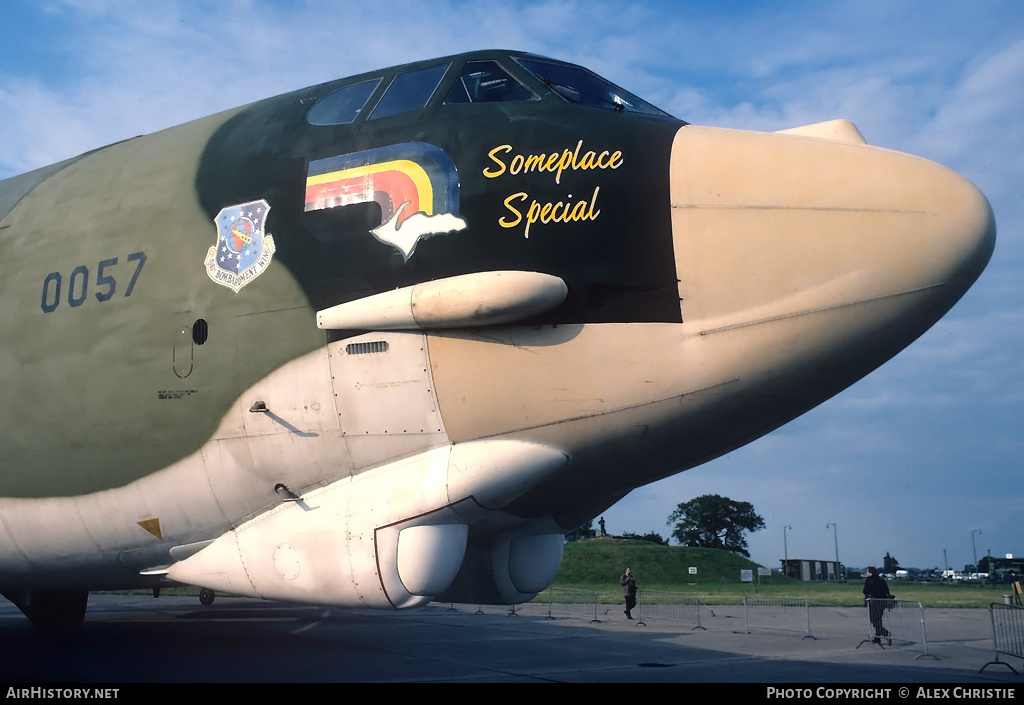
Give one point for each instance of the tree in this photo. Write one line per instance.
(713, 521)
(649, 536)
(583, 532)
(889, 564)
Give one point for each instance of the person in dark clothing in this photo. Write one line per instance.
(876, 590)
(628, 591)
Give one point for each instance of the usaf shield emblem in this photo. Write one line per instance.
(243, 250)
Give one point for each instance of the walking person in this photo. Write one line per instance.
(628, 591)
(875, 591)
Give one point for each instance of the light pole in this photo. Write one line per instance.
(835, 537)
(945, 561)
(785, 551)
(975, 548)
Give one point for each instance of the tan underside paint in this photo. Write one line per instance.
(490, 383)
(773, 224)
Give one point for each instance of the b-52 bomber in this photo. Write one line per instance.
(387, 339)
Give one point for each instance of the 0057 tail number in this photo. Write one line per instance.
(78, 283)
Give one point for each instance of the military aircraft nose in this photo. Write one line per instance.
(770, 226)
(962, 234)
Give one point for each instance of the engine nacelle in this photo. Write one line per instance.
(394, 536)
(506, 569)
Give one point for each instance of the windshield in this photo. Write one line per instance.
(409, 91)
(578, 85)
(343, 105)
(487, 82)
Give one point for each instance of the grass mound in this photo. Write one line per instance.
(597, 564)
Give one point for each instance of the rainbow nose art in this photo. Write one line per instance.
(415, 184)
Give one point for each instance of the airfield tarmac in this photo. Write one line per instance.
(138, 639)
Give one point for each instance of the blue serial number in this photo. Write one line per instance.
(78, 283)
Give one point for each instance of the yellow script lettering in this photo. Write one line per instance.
(557, 212)
(519, 216)
(490, 174)
(553, 163)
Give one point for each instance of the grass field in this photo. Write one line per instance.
(597, 564)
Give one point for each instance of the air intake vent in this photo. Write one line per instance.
(377, 346)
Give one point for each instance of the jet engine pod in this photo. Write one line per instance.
(429, 556)
(394, 536)
(506, 569)
(532, 561)
(386, 538)
(418, 562)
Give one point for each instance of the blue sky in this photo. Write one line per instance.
(910, 460)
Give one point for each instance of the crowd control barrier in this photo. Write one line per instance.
(900, 621)
(786, 614)
(510, 610)
(1007, 633)
(579, 604)
(678, 607)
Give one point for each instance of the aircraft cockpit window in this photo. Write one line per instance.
(343, 105)
(487, 82)
(409, 91)
(577, 85)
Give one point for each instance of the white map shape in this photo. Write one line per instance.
(418, 226)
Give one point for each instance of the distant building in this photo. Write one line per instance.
(1002, 570)
(803, 569)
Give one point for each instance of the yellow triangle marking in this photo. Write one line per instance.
(152, 526)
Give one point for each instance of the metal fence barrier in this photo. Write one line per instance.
(787, 614)
(579, 604)
(510, 610)
(896, 620)
(1007, 633)
(671, 606)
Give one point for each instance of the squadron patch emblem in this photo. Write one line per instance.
(243, 250)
